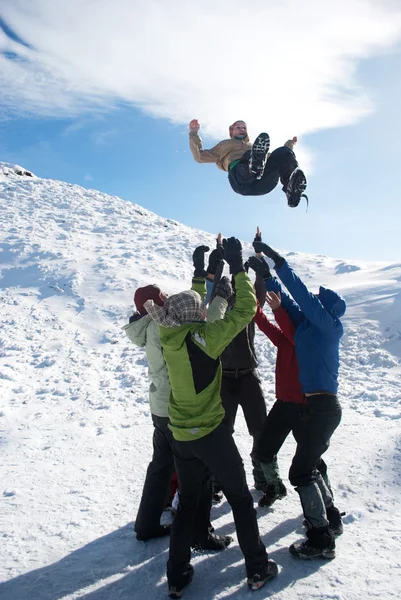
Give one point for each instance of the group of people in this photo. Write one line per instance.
(202, 366)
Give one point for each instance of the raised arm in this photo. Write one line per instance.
(310, 305)
(195, 144)
(267, 327)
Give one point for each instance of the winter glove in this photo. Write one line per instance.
(246, 266)
(224, 289)
(258, 236)
(198, 258)
(269, 252)
(260, 266)
(233, 255)
(214, 258)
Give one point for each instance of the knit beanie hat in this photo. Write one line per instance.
(149, 292)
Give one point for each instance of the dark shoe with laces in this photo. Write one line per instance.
(295, 187)
(213, 543)
(161, 531)
(258, 580)
(320, 544)
(259, 152)
(177, 591)
(273, 492)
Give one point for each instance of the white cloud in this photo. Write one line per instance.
(288, 67)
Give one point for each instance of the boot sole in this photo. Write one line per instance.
(326, 554)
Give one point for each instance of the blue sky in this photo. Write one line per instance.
(114, 140)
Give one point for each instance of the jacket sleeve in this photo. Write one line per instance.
(217, 309)
(217, 335)
(310, 305)
(209, 290)
(272, 331)
(292, 308)
(199, 285)
(136, 331)
(260, 290)
(199, 154)
(286, 325)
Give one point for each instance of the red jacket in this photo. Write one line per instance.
(288, 386)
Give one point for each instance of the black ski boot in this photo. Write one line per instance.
(213, 543)
(273, 492)
(177, 591)
(295, 187)
(320, 544)
(260, 149)
(161, 531)
(258, 580)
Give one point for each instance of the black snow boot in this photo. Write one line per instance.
(320, 544)
(177, 591)
(213, 543)
(260, 149)
(161, 531)
(295, 187)
(273, 492)
(258, 580)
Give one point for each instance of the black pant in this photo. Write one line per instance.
(245, 391)
(280, 165)
(218, 454)
(158, 479)
(312, 426)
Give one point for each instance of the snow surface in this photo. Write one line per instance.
(76, 430)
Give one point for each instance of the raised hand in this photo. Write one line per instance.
(198, 258)
(194, 125)
(273, 300)
(233, 255)
(260, 266)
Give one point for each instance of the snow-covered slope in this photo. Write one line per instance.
(75, 425)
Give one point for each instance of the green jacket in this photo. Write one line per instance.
(192, 352)
(144, 333)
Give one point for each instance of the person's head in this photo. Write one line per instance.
(332, 302)
(185, 307)
(238, 130)
(149, 292)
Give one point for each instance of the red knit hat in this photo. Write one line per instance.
(149, 292)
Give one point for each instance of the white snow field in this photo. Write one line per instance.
(76, 430)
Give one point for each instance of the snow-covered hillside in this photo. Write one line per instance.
(75, 424)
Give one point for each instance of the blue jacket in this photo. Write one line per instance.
(318, 333)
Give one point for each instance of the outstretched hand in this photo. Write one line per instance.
(198, 258)
(273, 300)
(260, 266)
(194, 125)
(233, 255)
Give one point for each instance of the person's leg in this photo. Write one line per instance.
(192, 474)
(229, 393)
(157, 482)
(219, 452)
(313, 435)
(251, 398)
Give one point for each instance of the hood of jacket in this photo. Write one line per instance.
(332, 302)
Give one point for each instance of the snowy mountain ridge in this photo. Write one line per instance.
(75, 425)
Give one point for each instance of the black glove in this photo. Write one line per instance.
(246, 266)
(260, 266)
(233, 255)
(269, 252)
(224, 289)
(258, 238)
(198, 258)
(214, 258)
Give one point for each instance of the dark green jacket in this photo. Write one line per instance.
(192, 352)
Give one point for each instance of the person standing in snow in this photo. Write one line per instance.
(202, 441)
(289, 412)
(317, 335)
(252, 171)
(143, 332)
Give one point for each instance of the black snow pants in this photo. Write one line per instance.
(280, 165)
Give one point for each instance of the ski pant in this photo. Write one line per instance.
(244, 389)
(218, 454)
(279, 165)
(312, 426)
(158, 479)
